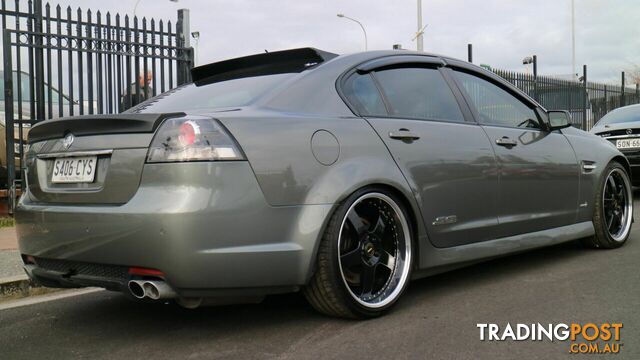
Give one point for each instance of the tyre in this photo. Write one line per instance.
(365, 257)
(613, 209)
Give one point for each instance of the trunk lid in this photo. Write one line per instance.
(117, 143)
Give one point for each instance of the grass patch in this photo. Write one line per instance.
(6, 221)
(27, 292)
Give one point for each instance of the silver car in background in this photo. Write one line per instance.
(621, 126)
(340, 176)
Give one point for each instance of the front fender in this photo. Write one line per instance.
(591, 150)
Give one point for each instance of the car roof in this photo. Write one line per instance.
(292, 60)
(317, 69)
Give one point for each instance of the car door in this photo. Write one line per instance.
(538, 169)
(446, 158)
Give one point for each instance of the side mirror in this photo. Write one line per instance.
(559, 119)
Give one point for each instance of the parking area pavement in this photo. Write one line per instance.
(437, 318)
(10, 262)
(8, 238)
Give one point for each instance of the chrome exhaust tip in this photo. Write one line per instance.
(157, 290)
(136, 289)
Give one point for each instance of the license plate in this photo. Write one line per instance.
(628, 143)
(81, 169)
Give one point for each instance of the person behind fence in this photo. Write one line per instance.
(146, 91)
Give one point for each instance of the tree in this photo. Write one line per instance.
(632, 74)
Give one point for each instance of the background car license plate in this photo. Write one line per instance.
(628, 143)
(80, 169)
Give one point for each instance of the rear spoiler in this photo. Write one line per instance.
(97, 125)
(277, 62)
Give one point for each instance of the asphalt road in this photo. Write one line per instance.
(436, 318)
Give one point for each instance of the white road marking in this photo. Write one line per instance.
(44, 298)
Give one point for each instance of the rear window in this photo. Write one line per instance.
(230, 93)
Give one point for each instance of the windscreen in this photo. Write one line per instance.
(222, 94)
(621, 115)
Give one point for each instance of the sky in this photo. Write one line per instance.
(502, 32)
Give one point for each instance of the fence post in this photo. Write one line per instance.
(185, 58)
(8, 109)
(622, 102)
(470, 53)
(39, 57)
(535, 77)
(585, 97)
(606, 101)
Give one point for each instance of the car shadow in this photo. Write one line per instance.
(292, 308)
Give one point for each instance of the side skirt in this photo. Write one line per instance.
(436, 260)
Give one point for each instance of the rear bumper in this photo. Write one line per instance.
(206, 226)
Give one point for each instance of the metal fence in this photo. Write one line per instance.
(64, 62)
(586, 101)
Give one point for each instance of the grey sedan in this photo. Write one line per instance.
(339, 176)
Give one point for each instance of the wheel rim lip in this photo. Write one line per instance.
(621, 235)
(408, 256)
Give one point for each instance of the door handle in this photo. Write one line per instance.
(505, 141)
(404, 134)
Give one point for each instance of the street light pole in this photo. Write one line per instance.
(420, 29)
(361, 26)
(573, 39)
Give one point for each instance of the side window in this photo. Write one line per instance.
(496, 106)
(420, 93)
(364, 95)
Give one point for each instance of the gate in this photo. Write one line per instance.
(63, 63)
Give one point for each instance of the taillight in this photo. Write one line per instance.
(188, 132)
(192, 139)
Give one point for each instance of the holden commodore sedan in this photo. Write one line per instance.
(343, 177)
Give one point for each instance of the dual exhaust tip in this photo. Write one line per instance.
(154, 290)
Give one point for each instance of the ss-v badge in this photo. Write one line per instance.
(444, 220)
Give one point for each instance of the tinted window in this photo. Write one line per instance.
(495, 105)
(364, 95)
(230, 93)
(419, 93)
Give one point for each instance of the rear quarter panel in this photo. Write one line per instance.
(278, 147)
